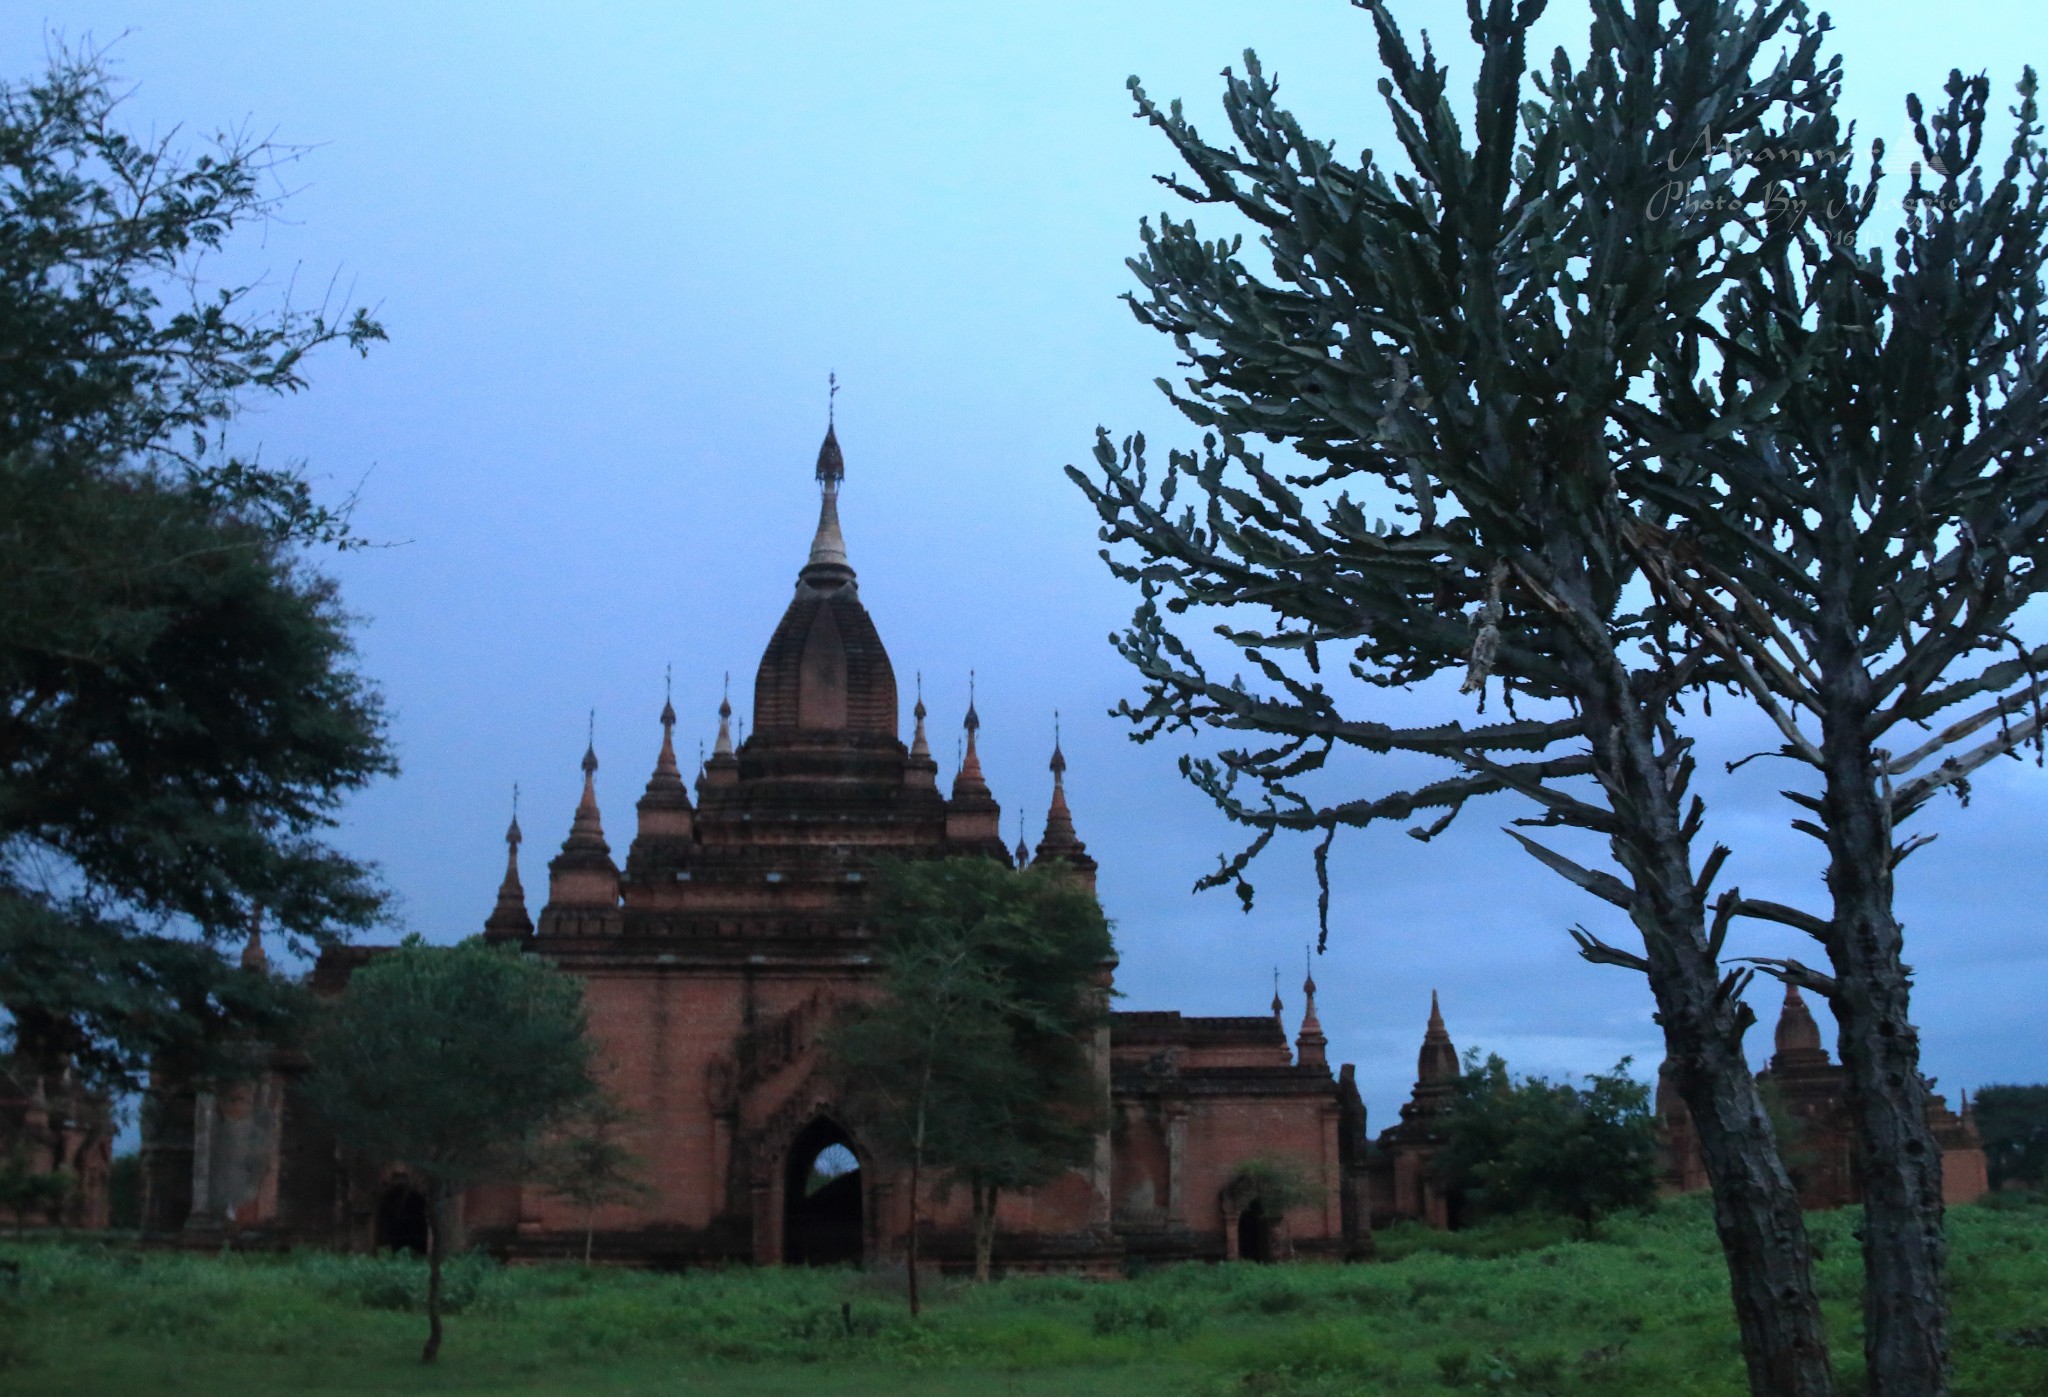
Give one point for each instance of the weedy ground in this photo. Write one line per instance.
(1518, 1307)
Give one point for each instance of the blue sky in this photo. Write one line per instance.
(620, 246)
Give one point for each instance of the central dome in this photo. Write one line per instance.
(825, 670)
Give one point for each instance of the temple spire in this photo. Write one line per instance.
(969, 781)
(1438, 1060)
(919, 745)
(666, 819)
(253, 955)
(588, 828)
(509, 919)
(1797, 1040)
(1061, 844)
(582, 879)
(724, 768)
(1310, 1045)
(1278, 1008)
(973, 818)
(667, 775)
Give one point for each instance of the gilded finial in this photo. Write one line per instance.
(512, 834)
(973, 720)
(590, 746)
(831, 470)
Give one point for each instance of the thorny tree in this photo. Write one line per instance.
(1848, 514)
(1461, 336)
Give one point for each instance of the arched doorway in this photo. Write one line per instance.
(1254, 1233)
(402, 1220)
(821, 1199)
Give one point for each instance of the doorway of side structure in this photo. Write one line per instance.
(822, 1208)
(1254, 1233)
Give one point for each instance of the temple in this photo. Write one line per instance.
(714, 956)
(1805, 1092)
(1816, 1133)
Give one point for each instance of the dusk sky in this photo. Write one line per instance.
(618, 248)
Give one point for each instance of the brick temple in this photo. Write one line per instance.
(712, 958)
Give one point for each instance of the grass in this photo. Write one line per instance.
(1513, 1308)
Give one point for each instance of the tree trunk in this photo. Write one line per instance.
(1756, 1208)
(435, 1235)
(984, 1230)
(916, 1159)
(1898, 1160)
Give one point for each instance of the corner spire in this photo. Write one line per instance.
(1061, 844)
(586, 831)
(582, 879)
(973, 819)
(969, 781)
(724, 767)
(666, 819)
(1310, 1045)
(919, 745)
(1278, 1007)
(508, 920)
(667, 775)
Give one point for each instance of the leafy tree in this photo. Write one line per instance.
(1462, 339)
(179, 711)
(1047, 1120)
(1519, 1143)
(589, 1166)
(454, 1063)
(974, 1059)
(1844, 519)
(2013, 1122)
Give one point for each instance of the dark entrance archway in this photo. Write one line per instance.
(822, 1222)
(402, 1220)
(1254, 1233)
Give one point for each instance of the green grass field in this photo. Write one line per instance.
(1509, 1309)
